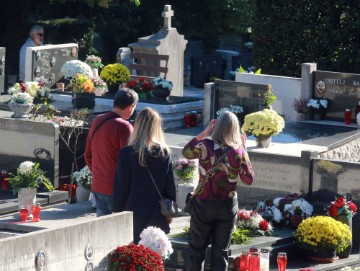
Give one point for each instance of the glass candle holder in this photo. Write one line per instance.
(193, 119)
(187, 120)
(4, 182)
(23, 214)
(254, 261)
(264, 259)
(347, 116)
(282, 261)
(244, 261)
(35, 209)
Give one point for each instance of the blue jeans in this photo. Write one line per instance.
(103, 204)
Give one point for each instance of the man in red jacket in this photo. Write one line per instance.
(109, 133)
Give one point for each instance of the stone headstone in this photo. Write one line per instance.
(227, 56)
(341, 89)
(248, 95)
(2, 69)
(193, 48)
(123, 56)
(46, 61)
(26, 140)
(203, 68)
(166, 42)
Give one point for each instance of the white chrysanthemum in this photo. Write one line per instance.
(220, 111)
(255, 220)
(156, 240)
(73, 67)
(261, 205)
(276, 201)
(289, 208)
(26, 167)
(277, 216)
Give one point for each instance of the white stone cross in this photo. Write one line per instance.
(167, 14)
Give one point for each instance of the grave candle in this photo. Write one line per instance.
(254, 261)
(23, 214)
(244, 261)
(347, 116)
(264, 259)
(193, 118)
(187, 120)
(282, 261)
(4, 181)
(35, 209)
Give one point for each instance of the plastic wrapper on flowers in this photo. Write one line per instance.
(156, 240)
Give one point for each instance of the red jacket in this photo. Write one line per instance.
(101, 151)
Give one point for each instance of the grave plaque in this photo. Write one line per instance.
(341, 89)
(248, 95)
(46, 61)
(2, 69)
(205, 67)
(25, 140)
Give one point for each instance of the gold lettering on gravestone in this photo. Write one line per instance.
(335, 81)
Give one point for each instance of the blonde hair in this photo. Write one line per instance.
(148, 133)
(227, 130)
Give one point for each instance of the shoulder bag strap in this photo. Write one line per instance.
(152, 179)
(101, 123)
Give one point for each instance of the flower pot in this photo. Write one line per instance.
(181, 192)
(26, 198)
(95, 72)
(300, 116)
(161, 93)
(317, 116)
(348, 221)
(83, 100)
(82, 194)
(113, 88)
(263, 141)
(20, 110)
(323, 255)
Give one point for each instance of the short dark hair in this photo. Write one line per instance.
(125, 97)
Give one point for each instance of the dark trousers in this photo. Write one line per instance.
(211, 221)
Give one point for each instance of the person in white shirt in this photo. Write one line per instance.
(36, 38)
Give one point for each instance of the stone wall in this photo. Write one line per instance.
(347, 152)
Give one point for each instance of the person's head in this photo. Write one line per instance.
(37, 34)
(148, 133)
(126, 100)
(227, 130)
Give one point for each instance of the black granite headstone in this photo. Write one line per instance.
(341, 89)
(248, 95)
(205, 67)
(47, 62)
(2, 69)
(26, 140)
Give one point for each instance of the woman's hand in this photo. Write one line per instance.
(169, 220)
(207, 130)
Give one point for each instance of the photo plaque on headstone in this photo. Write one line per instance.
(46, 61)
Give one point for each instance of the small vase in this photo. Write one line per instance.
(183, 189)
(83, 100)
(161, 93)
(95, 72)
(20, 110)
(82, 194)
(263, 141)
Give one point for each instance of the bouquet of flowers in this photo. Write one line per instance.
(156, 240)
(83, 177)
(317, 105)
(316, 233)
(236, 109)
(163, 83)
(73, 67)
(342, 207)
(22, 98)
(82, 84)
(264, 123)
(37, 90)
(94, 62)
(184, 169)
(100, 86)
(134, 258)
(114, 74)
(300, 105)
(289, 210)
(141, 86)
(254, 222)
(29, 175)
(269, 97)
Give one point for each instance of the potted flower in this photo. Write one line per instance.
(343, 210)
(37, 90)
(142, 87)
(83, 92)
(25, 182)
(317, 107)
(73, 67)
(21, 104)
(114, 75)
(269, 97)
(263, 125)
(134, 257)
(162, 87)
(156, 240)
(300, 106)
(83, 180)
(322, 236)
(236, 109)
(95, 63)
(100, 86)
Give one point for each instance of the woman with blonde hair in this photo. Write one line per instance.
(214, 205)
(134, 190)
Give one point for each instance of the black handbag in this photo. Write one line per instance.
(188, 202)
(167, 206)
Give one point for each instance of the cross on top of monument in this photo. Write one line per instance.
(167, 14)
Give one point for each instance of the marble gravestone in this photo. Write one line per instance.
(342, 90)
(26, 140)
(166, 42)
(2, 69)
(249, 96)
(46, 61)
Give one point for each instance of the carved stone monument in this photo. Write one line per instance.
(166, 42)
(46, 61)
(2, 69)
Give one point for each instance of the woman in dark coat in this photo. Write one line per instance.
(133, 188)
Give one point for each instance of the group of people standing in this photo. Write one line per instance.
(122, 159)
